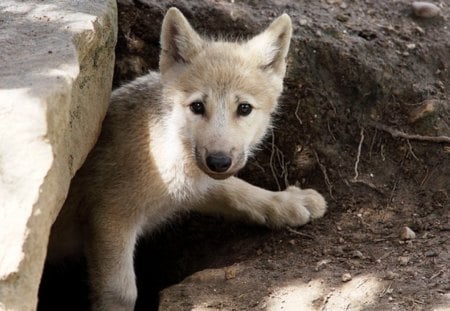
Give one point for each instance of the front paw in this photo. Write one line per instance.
(296, 207)
(312, 200)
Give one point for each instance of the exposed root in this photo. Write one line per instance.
(391, 197)
(397, 133)
(300, 233)
(368, 184)
(382, 152)
(282, 163)
(325, 175)
(271, 163)
(296, 113)
(372, 143)
(411, 150)
(425, 177)
(437, 274)
(358, 155)
(330, 132)
(256, 164)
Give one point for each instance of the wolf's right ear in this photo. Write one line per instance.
(180, 43)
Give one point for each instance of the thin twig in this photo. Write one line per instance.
(411, 150)
(286, 175)
(329, 131)
(385, 255)
(300, 233)
(284, 166)
(424, 179)
(368, 184)
(436, 274)
(358, 155)
(296, 113)
(391, 197)
(397, 133)
(272, 153)
(325, 175)
(397, 179)
(372, 143)
(382, 152)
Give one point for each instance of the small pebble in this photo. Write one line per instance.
(430, 254)
(420, 30)
(425, 9)
(321, 264)
(357, 254)
(346, 277)
(303, 22)
(391, 275)
(342, 18)
(407, 234)
(403, 260)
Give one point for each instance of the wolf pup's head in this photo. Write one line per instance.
(222, 93)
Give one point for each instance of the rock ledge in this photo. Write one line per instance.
(57, 61)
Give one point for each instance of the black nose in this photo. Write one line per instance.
(218, 162)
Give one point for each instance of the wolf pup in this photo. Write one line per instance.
(172, 141)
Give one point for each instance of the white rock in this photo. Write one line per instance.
(55, 80)
(357, 254)
(425, 9)
(346, 277)
(403, 260)
(407, 234)
(303, 22)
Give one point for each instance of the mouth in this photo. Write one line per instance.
(219, 176)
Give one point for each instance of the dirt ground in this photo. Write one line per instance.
(365, 97)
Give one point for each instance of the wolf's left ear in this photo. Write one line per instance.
(272, 45)
(179, 41)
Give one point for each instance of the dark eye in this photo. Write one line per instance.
(244, 109)
(197, 107)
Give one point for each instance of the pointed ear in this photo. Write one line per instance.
(179, 41)
(272, 45)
